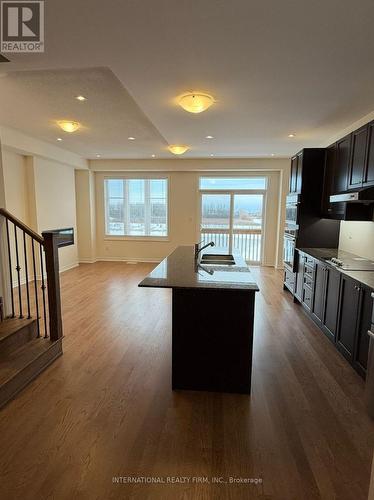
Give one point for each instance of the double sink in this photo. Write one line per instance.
(217, 259)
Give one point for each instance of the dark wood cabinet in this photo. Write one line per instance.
(363, 325)
(331, 302)
(300, 262)
(369, 169)
(299, 172)
(319, 291)
(293, 174)
(342, 163)
(358, 157)
(348, 311)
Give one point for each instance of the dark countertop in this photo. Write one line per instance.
(178, 270)
(324, 254)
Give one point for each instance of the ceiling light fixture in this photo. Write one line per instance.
(196, 102)
(98, 156)
(212, 154)
(291, 135)
(81, 98)
(131, 138)
(178, 149)
(209, 137)
(59, 139)
(153, 156)
(68, 126)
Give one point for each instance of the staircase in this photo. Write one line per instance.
(30, 314)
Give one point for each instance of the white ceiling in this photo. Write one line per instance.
(275, 67)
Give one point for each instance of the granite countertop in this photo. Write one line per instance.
(179, 270)
(324, 254)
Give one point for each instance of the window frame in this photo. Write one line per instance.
(125, 237)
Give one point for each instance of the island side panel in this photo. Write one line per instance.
(212, 340)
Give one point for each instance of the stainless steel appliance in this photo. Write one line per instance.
(362, 195)
(289, 243)
(352, 263)
(292, 210)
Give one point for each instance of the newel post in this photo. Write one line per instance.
(53, 284)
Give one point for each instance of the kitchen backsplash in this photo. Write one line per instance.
(357, 238)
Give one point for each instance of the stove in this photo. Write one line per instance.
(352, 264)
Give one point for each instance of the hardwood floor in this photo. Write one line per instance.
(106, 409)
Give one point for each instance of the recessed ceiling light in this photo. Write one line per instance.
(177, 149)
(68, 126)
(131, 138)
(291, 135)
(153, 156)
(59, 139)
(209, 137)
(212, 154)
(98, 156)
(81, 98)
(272, 154)
(195, 102)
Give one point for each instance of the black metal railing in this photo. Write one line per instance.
(33, 270)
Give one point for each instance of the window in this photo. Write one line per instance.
(136, 207)
(232, 183)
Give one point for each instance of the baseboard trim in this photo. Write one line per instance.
(120, 259)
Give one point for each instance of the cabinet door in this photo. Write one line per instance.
(364, 324)
(319, 291)
(330, 316)
(358, 157)
(348, 311)
(369, 170)
(299, 276)
(293, 175)
(299, 173)
(343, 154)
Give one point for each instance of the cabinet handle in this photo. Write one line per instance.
(358, 288)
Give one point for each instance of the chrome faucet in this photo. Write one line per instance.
(198, 249)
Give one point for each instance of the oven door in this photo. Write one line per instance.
(289, 251)
(292, 214)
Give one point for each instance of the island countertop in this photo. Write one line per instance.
(179, 270)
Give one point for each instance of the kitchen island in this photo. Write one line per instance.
(212, 320)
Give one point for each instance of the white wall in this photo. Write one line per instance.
(41, 193)
(357, 238)
(183, 204)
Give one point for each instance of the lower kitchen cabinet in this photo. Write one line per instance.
(331, 302)
(348, 312)
(341, 306)
(360, 355)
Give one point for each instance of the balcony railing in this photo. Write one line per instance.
(247, 241)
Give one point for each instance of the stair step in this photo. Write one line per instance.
(15, 332)
(19, 367)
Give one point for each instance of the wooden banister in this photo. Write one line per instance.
(22, 226)
(53, 277)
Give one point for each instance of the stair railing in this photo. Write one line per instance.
(33, 270)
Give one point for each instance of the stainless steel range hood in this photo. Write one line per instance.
(362, 195)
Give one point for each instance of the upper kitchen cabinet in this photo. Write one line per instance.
(342, 164)
(368, 179)
(296, 173)
(293, 174)
(358, 157)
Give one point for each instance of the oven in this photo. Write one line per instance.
(289, 243)
(292, 209)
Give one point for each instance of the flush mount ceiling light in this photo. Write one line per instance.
(59, 139)
(81, 98)
(291, 135)
(68, 126)
(131, 138)
(195, 102)
(177, 149)
(209, 137)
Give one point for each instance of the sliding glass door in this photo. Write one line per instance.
(233, 219)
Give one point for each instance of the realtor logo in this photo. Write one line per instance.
(22, 26)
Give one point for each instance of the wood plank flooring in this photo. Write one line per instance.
(105, 408)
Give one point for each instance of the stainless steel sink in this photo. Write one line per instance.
(217, 259)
